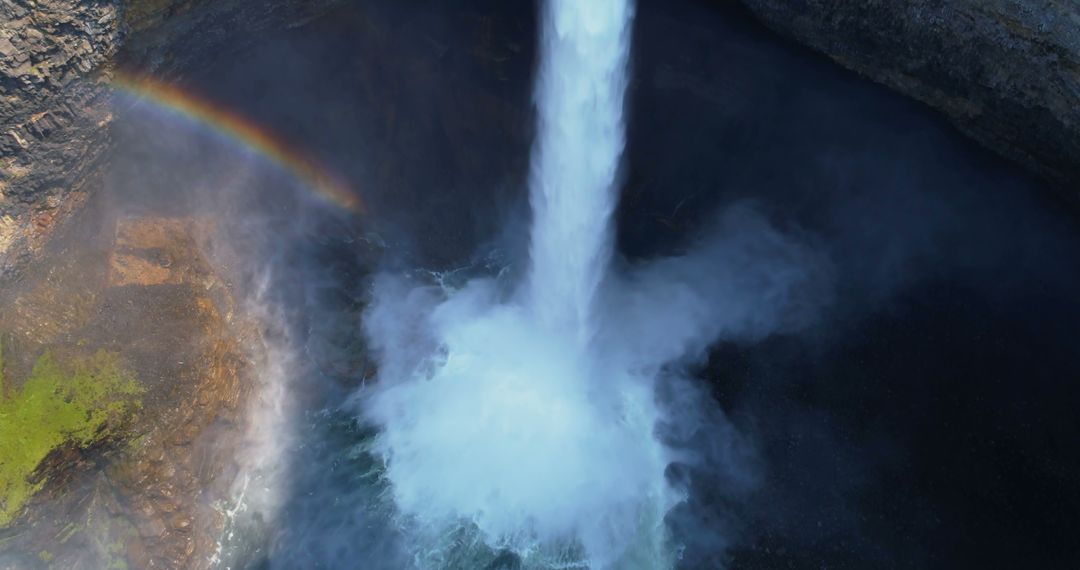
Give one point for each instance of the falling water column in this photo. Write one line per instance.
(579, 98)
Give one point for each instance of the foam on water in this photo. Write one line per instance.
(498, 411)
(525, 416)
(514, 429)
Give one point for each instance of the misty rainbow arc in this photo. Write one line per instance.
(243, 131)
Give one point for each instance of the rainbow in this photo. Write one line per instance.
(243, 131)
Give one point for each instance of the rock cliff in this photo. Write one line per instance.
(139, 290)
(1006, 72)
(56, 57)
(52, 118)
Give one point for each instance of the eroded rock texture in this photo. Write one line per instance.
(141, 289)
(52, 114)
(56, 57)
(1007, 72)
(74, 279)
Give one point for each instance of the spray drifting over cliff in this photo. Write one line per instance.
(528, 414)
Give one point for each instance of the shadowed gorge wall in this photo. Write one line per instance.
(921, 421)
(1006, 72)
(56, 58)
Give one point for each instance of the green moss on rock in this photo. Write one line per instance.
(77, 403)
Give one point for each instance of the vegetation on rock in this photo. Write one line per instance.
(78, 403)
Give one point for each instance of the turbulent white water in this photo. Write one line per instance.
(512, 427)
(499, 414)
(527, 420)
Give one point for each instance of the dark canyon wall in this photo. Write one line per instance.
(427, 105)
(1006, 72)
(51, 121)
(56, 57)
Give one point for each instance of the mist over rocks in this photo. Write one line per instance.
(56, 58)
(1000, 72)
(140, 290)
(799, 464)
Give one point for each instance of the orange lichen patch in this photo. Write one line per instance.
(31, 231)
(155, 251)
(42, 221)
(131, 270)
(153, 232)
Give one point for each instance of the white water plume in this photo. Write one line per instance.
(530, 416)
(268, 435)
(579, 95)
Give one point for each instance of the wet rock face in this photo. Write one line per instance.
(1007, 72)
(51, 116)
(55, 60)
(143, 290)
(74, 280)
(44, 46)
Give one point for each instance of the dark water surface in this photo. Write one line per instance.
(927, 421)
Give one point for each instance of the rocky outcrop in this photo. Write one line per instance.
(55, 61)
(142, 290)
(52, 117)
(1006, 72)
(138, 287)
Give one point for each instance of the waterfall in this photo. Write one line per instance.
(514, 420)
(579, 97)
